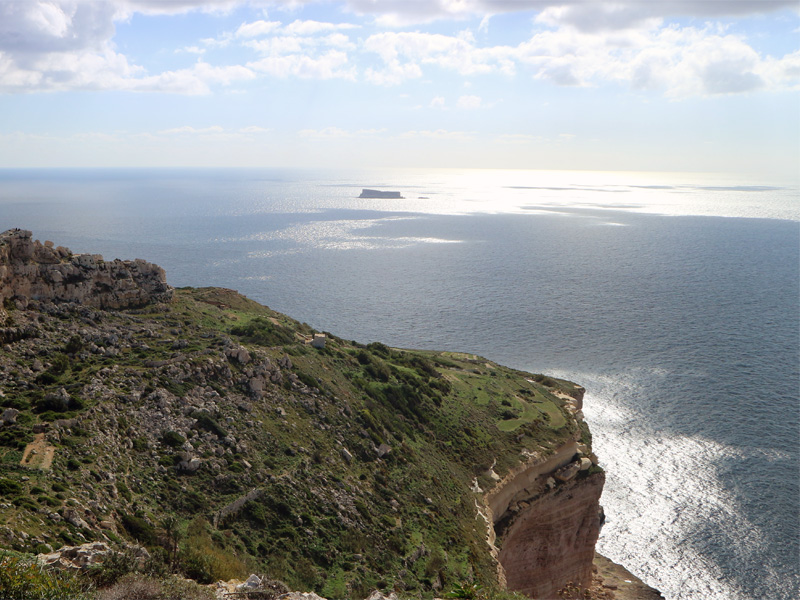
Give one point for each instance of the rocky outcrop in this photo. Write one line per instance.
(86, 556)
(30, 270)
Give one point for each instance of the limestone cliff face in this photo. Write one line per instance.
(31, 270)
(545, 518)
(550, 543)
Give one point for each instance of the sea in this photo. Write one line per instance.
(674, 298)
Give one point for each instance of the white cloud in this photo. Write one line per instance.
(326, 133)
(67, 44)
(517, 138)
(393, 73)
(370, 132)
(469, 102)
(677, 61)
(257, 28)
(338, 133)
(192, 130)
(329, 65)
(174, 7)
(295, 50)
(300, 30)
(673, 60)
(593, 17)
(439, 134)
(314, 27)
(437, 102)
(254, 129)
(404, 52)
(192, 50)
(36, 27)
(288, 44)
(620, 13)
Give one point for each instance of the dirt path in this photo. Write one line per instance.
(37, 454)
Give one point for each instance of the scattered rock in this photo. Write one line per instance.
(568, 472)
(378, 595)
(188, 463)
(383, 450)
(73, 558)
(253, 583)
(301, 596)
(9, 416)
(238, 354)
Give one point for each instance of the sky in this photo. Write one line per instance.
(634, 85)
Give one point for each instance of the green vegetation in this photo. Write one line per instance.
(338, 470)
(264, 332)
(21, 578)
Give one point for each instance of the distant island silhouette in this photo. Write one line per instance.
(368, 193)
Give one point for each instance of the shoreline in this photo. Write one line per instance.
(613, 578)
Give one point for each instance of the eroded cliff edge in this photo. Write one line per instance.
(333, 465)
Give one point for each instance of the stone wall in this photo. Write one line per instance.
(30, 270)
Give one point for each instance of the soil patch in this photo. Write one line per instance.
(38, 454)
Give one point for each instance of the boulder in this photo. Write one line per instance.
(383, 450)
(378, 595)
(238, 354)
(188, 463)
(73, 516)
(301, 596)
(253, 583)
(568, 472)
(75, 558)
(9, 416)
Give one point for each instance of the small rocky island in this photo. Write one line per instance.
(368, 193)
(148, 435)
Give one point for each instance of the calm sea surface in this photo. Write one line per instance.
(674, 298)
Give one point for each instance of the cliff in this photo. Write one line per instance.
(30, 270)
(208, 429)
(551, 542)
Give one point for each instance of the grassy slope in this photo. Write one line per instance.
(331, 515)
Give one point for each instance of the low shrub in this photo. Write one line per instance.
(140, 529)
(173, 439)
(264, 332)
(204, 560)
(210, 425)
(115, 566)
(140, 587)
(9, 487)
(22, 578)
